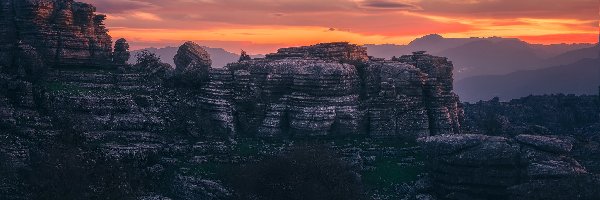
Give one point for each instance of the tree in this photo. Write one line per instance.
(244, 56)
(151, 64)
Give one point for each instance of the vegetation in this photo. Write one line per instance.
(244, 56)
(151, 64)
(310, 172)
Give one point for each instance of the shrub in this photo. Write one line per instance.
(150, 63)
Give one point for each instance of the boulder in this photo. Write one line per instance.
(192, 64)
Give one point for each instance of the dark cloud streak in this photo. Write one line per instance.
(118, 6)
(388, 4)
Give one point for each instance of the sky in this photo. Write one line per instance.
(262, 26)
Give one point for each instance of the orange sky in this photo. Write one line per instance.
(262, 26)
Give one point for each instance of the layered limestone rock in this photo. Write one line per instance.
(394, 100)
(491, 167)
(63, 32)
(192, 64)
(443, 106)
(299, 97)
(335, 89)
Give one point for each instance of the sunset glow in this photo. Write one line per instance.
(261, 26)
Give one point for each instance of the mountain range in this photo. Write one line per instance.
(581, 77)
(485, 56)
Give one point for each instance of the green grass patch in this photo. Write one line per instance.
(61, 87)
(389, 172)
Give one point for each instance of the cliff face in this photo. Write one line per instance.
(65, 33)
(337, 90)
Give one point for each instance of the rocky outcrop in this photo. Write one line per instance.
(63, 32)
(491, 167)
(335, 89)
(443, 106)
(192, 64)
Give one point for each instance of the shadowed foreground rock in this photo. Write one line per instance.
(489, 167)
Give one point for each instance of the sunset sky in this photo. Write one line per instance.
(262, 26)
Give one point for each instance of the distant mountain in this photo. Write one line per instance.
(487, 57)
(387, 50)
(553, 50)
(481, 56)
(219, 56)
(582, 77)
(573, 56)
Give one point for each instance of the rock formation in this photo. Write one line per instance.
(63, 32)
(489, 167)
(335, 89)
(192, 64)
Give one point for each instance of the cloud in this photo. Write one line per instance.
(118, 6)
(375, 21)
(146, 16)
(388, 5)
(576, 9)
